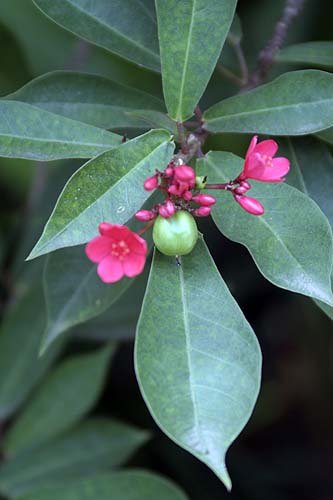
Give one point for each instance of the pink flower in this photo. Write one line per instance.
(251, 205)
(151, 183)
(260, 164)
(204, 199)
(118, 252)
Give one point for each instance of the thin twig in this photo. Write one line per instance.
(242, 62)
(267, 55)
(230, 75)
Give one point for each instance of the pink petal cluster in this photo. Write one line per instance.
(118, 251)
(178, 183)
(260, 163)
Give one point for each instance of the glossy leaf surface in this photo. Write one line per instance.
(108, 188)
(124, 27)
(291, 243)
(187, 44)
(88, 98)
(296, 103)
(197, 360)
(35, 134)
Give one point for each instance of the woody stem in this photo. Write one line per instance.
(146, 227)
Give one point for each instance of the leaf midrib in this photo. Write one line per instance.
(256, 111)
(115, 31)
(182, 83)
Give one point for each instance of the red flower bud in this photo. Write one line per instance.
(185, 173)
(202, 211)
(144, 215)
(251, 205)
(204, 199)
(245, 184)
(187, 195)
(240, 190)
(150, 183)
(168, 171)
(167, 210)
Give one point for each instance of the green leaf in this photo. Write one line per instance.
(197, 360)
(74, 293)
(35, 134)
(296, 103)
(126, 28)
(59, 402)
(123, 485)
(20, 367)
(189, 49)
(119, 321)
(107, 188)
(312, 173)
(95, 446)
(155, 119)
(326, 135)
(291, 243)
(309, 53)
(87, 98)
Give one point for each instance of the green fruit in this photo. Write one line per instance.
(176, 235)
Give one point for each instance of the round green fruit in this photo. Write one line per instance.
(176, 235)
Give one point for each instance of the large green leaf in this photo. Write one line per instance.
(35, 134)
(124, 27)
(296, 103)
(107, 188)
(95, 446)
(123, 485)
(20, 336)
(191, 36)
(59, 402)
(312, 173)
(309, 53)
(88, 98)
(74, 293)
(196, 357)
(291, 243)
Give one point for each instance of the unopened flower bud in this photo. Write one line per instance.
(168, 171)
(240, 190)
(144, 215)
(251, 205)
(204, 199)
(185, 174)
(187, 195)
(245, 184)
(150, 183)
(202, 211)
(167, 209)
(200, 181)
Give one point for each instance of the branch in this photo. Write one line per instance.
(267, 55)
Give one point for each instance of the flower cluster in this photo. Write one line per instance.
(178, 182)
(120, 252)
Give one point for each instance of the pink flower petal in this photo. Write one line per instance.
(98, 248)
(280, 168)
(110, 269)
(268, 147)
(134, 264)
(136, 244)
(114, 231)
(252, 145)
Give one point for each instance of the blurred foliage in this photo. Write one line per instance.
(285, 453)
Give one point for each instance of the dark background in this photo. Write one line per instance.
(285, 452)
